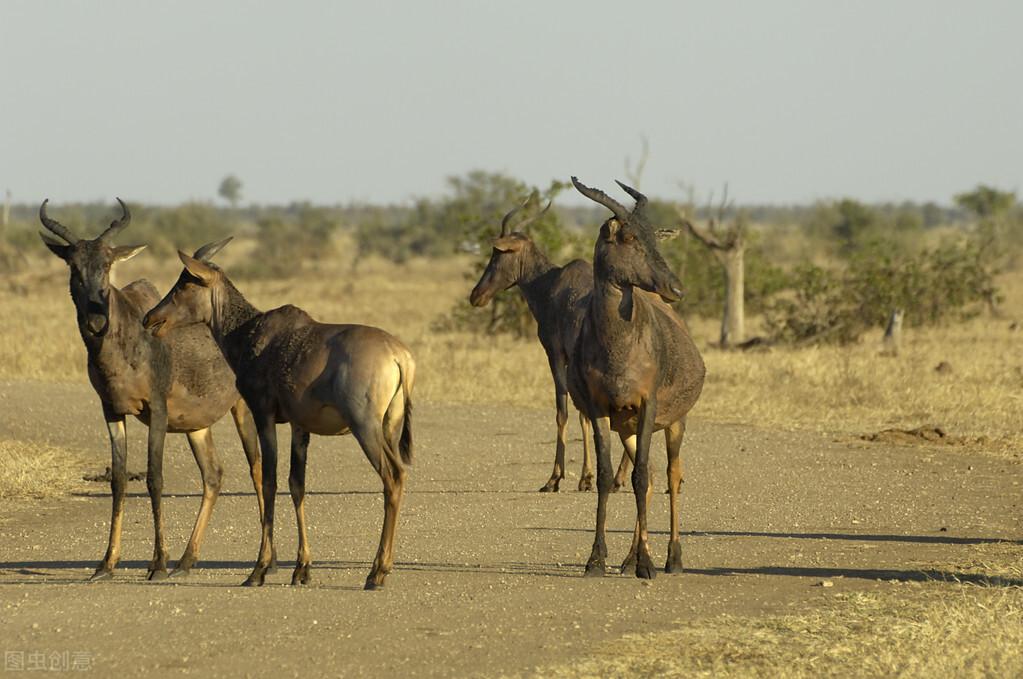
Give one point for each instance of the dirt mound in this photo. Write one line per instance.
(927, 434)
(107, 476)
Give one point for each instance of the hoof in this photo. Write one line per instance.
(180, 573)
(645, 568)
(674, 562)
(256, 579)
(549, 487)
(629, 563)
(374, 582)
(156, 574)
(616, 486)
(101, 575)
(586, 484)
(301, 576)
(594, 568)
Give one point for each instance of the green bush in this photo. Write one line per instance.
(951, 282)
(285, 241)
(480, 203)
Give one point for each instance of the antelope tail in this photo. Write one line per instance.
(405, 444)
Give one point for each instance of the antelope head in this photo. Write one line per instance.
(90, 262)
(626, 252)
(190, 301)
(506, 260)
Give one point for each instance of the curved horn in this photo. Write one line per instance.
(526, 222)
(54, 226)
(636, 195)
(598, 196)
(507, 218)
(118, 224)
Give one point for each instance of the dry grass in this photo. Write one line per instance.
(907, 630)
(32, 470)
(845, 390)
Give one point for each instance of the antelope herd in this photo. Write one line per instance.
(615, 348)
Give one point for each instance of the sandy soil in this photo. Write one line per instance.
(488, 575)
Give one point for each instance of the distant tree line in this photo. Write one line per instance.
(821, 272)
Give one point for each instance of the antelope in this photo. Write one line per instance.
(180, 383)
(321, 378)
(635, 368)
(557, 297)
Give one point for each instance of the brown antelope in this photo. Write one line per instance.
(635, 367)
(322, 378)
(557, 297)
(178, 384)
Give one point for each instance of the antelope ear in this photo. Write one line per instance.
(200, 270)
(507, 244)
(610, 229)
(127, 252)
(206, 252)
(56, 247)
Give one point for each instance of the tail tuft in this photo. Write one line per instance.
(405, 445)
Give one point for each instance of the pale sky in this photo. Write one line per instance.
(380, 101)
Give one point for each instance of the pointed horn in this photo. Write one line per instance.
(636, 195)
(598, 196)
(118, 224)
(54, 226)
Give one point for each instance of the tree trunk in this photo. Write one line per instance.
(733, 330)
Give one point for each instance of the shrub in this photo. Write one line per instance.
(950, 282)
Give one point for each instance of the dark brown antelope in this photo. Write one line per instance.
(557, 297)
(178, 384)
(323, 379)
(635, 367)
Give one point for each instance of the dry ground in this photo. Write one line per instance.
(920, 544)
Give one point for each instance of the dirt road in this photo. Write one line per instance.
(488, 575)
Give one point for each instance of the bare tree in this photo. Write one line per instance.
(728, 243)
(635, 174)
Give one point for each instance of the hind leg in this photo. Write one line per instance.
(246, 427)
(296, 483)
(623, 469)
(267, 428)
(370, 434)
(673, 438)
(586, 475)
(201, 443)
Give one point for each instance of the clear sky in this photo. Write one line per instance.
(380, 101)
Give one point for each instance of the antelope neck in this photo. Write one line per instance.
(231, 313)
(613, 308)
(535, 279)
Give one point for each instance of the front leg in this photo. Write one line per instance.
(154, 483)
(118, 480)
(267, 430)
(246, 427)
(296, 483)
(595, 566)
(641, 486)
